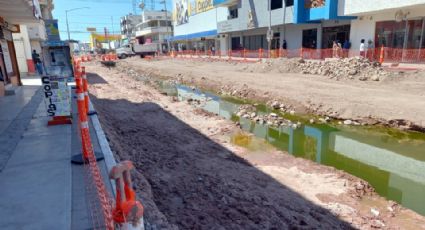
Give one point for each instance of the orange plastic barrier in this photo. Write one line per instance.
(127, 208)
(88, 156)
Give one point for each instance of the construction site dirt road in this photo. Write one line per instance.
(190, 176)
(392, 97)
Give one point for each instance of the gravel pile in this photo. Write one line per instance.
(347, 68)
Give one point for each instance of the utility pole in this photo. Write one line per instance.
(166, 24)
(269, 31)
(67, 23)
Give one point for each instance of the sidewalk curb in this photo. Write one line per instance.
(104, 146)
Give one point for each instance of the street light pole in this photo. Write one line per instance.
(269, 31)
(166, 24)
(67, 23)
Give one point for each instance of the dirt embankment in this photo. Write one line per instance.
(189, 176)
(368, 96)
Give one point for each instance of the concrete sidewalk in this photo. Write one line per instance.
(40, 187)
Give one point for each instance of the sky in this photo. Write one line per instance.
(101, 14)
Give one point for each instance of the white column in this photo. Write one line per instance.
(27, 44)
(319, 36)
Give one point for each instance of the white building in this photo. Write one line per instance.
(392, 23)
(30, 37)
(195, 24)
(128, 25)
(155, 27)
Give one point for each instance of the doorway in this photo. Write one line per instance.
(336, 33)
(310, 38)
(236, 43)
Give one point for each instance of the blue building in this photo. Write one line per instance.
(301, 23)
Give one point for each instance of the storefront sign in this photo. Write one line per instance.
(52, 30)
(228, 26)
(181, 11)
(57, 96)
(204, 5)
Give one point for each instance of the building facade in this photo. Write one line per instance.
(156, 27)
(14, 14)
(128, 25)
(398, 24)
(30, 37)
(300, 23)
(195, 24)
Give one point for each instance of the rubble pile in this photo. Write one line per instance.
(242, 92)
(347, 68)
(271, 119)
(351, 68)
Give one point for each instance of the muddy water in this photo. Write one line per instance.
(392, 161)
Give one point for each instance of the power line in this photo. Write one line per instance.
(94, 23)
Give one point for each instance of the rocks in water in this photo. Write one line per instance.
(348, 122)
(275, 105)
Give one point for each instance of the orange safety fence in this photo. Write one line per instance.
(389, 54)
(104, 214)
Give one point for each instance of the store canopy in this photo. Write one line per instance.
(194, 35)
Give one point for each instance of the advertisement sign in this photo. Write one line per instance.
(181, 11)
(204, 5)
(57, 96)
(52, 30)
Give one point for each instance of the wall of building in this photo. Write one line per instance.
(359, 7)
(261, 16)
(24, 48)
(201, 22)
(364, 26)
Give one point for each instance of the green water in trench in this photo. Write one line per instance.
(392, 161)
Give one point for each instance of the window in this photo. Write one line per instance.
(233, 12)
(308, 4)
(289, 3)
(276, 4)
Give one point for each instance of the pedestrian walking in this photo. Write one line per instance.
(37, 62)
(334, 49)
(346, 47)
(362, 48)
(284, 45)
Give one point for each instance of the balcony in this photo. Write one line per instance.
(153, 30)
(19, 11)
(37, 31)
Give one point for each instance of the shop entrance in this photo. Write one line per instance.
(236, 43)
(404, 34)
(310, 38)
(336, 33)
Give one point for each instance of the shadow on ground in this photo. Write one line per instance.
(96, 79)
(187, 181)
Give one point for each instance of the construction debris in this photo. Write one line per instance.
(347, 68)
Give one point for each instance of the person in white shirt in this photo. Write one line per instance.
(362, 48)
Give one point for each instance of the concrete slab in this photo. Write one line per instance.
(36, 197)
(36, 176)
(40, 188)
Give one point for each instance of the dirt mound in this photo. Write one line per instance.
(347, 68)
